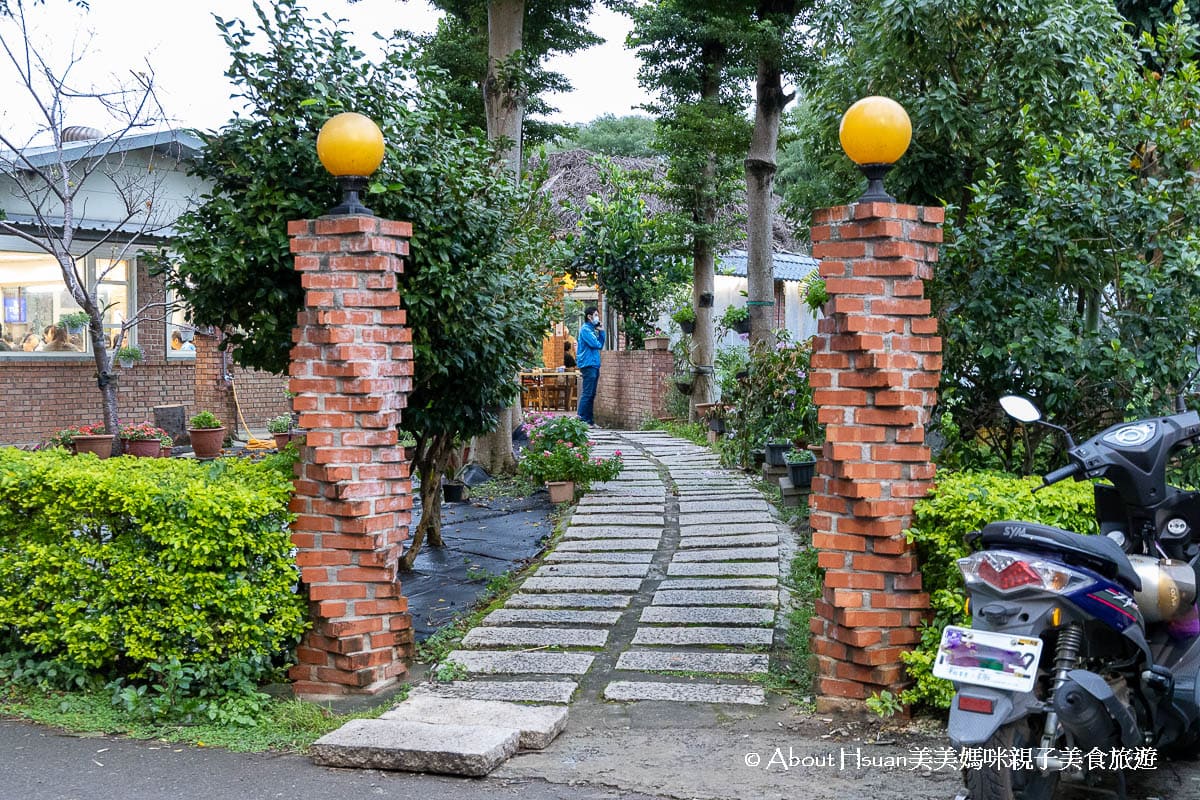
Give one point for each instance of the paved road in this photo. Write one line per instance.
(37, 763)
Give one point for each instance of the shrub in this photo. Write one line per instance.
(961, 503)
(280, 424)
(565, 461)
(205, 419)
(129, 352)
(141, 431)
(168, 579)
(774, 401)
(546, 430)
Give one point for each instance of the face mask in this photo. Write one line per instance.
(595, 320)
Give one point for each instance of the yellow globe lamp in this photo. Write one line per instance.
(350, 147)
(875, 132)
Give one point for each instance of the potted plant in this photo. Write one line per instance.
(562, 460)
(129, 355)
(93, 439)
(776, 449)
(165, 443)
(142, 439)
(736, 318)
(75, 322)
(207, 434)
(801, 465)
(686, 317)
(714, 414)
(683, 384)
(453, 491)
(281, 428)
(657, 340)
(64, 439)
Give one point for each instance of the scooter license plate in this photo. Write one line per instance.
(988, 658)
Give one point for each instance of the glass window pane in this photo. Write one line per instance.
(33, 299)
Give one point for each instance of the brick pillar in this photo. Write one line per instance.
(875, 371)
(351, 372)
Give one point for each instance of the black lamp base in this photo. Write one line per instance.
(875, 192)
(351, 205)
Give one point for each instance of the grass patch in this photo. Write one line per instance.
(695, 432)
(283, 725)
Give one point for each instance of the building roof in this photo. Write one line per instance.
(176, 143)
(788, 266)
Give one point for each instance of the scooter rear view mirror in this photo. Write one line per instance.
(1020, 408)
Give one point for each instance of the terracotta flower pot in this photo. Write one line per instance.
(206, 442)
(281, 440)
(561, 491)
(657, 342)
(164, 451)
(143, 448)
(101, 446)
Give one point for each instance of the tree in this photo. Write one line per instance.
(476, 303)
(53, 180)
(966, 71)
(494, 52)
(1093, 288)
(689, 58)
(631, 135)
(771, 41)
(615, 246)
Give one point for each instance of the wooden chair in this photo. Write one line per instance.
(532, 395)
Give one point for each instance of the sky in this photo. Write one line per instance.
(181, 42)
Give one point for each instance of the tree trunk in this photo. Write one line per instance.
(760, 183)
(430, 464)
(504, 107)
(503, 88)
(494, 452)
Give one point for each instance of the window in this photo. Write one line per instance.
(180, 333)
(35, 306)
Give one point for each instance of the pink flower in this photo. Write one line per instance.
(617, 452)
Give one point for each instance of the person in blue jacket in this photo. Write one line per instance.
(587, 358)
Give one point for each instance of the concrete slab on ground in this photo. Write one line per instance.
(697, 568)
(499, 662)
(678, 637)
(512, 691)
(696, 661)
(559, 570)
(707, 615)
(472, 750)
(564, 600)
(582, 585)
(736, 597)
(685, 692)
(729, 554)
(531, 616)
(538, 725)
(487, 636)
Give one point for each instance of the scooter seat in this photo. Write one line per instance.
(1099, 552)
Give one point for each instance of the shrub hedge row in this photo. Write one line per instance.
(163, 572)
(961, 503)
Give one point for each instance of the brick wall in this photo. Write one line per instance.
(875, 371)
(633, 387)
(41, 396)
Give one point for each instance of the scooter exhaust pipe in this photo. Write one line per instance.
(1087, 707)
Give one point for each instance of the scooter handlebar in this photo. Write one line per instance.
(1060, 474)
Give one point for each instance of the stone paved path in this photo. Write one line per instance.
(663, 587)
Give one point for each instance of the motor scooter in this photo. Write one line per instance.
(1083, 655)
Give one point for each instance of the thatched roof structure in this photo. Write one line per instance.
(573, 175)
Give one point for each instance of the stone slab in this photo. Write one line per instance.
(722, 505)
(511, 691)
(753, 569)
(724, 518)
(611, 488)
(573, 600)
(685, 692)
(731, 597)
(707, 615)
(580, 557)
(748, 540)
(623, 520)
(703, 636)
(538, 725)
(635, 503)
(557, 570)
(486, 636)
(581, 585)
(606, 532)
(499, 662)
(744, 529)
(473, 750)
(528, 616)
(729, 554)
(672, 661)
(723, 582)
(594, 545)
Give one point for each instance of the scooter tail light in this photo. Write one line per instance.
(1007, 571)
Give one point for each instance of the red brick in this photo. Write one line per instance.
(838, 249)
(837, 541)
(878, 210)
(903, 564)
(841, 688)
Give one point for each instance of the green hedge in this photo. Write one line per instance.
(963, 502)
(163, 574)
